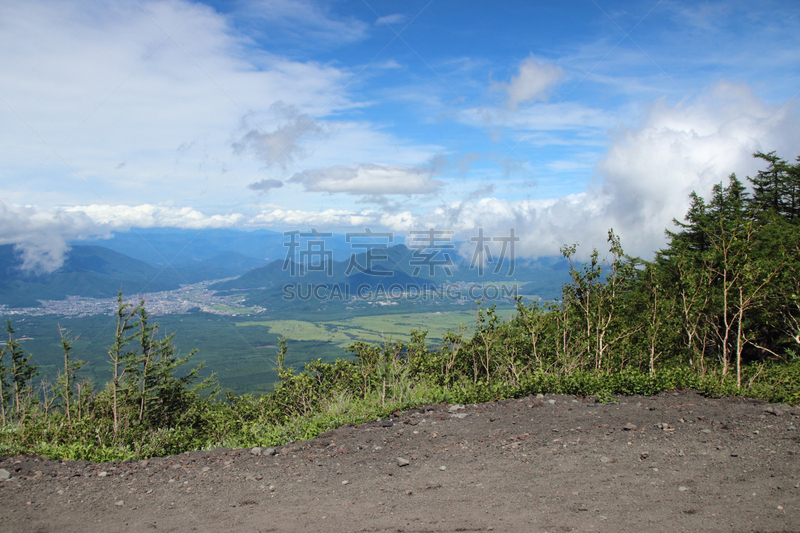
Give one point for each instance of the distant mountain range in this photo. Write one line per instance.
(90, 271)
(163, 259)
(182, 247)
(397, 266)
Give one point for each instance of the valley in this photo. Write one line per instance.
(234, 308)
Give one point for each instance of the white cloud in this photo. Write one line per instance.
(400, 222)
(328, 219)
(104, 80)
(532, 82)
(154, 216)
(542, 117)
(651, 169)
(644, 180)
(308, 22)
(395, 18)
(369, 179)
(41, 236)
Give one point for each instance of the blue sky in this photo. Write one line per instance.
(558, 120)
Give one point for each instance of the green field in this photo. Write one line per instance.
(371, 329)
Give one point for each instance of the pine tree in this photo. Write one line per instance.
(66, 381)
(18, 390)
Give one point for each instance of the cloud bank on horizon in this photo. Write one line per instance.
(559, 122)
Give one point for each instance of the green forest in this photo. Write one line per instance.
(717, 310)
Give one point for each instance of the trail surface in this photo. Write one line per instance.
(672, 462)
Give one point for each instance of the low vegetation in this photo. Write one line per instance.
(717, 311)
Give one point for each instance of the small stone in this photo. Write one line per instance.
(705, 431)
(458, 415)
(456, 407)
(4, 474)
(345, 482)
(144, 463)
(551, 402)
(629, 427)
(442, 468)
(683, 489)
(102, 474)
(774, 410)
(256, 450)
(269, 451)
(644, 455)
(119, 503)
(540, 396)
(402, 462)
(409, 493)
(605, 459)
(272, 488)
(206, 469)
(387, 423)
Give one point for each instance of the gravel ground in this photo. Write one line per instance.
(672, 462)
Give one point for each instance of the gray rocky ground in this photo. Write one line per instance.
(672, 462)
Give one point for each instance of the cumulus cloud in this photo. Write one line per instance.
(532, 82)
(400, 222)
(41, 236)
(650, 170)
(369, 179)
(154, 216)
(645, 178)
(331, 218)
(265, 185)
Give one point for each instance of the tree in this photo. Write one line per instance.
(775, 190)
(594, 305)
(18, 390)
(66, 381)
(123, 360)
(145, 388)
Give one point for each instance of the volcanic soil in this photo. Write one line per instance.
(672, 462)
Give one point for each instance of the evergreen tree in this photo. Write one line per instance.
(17, 391)
(776, 190)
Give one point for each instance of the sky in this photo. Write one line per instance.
(557, 120)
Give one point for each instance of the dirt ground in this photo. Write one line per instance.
(672, 462)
